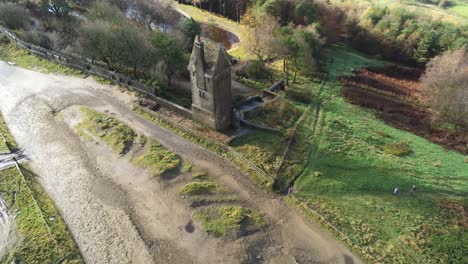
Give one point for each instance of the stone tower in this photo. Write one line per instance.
(210, 77)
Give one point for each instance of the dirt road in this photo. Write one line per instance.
(116, 211)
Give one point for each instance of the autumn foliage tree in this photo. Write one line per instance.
(445, 85)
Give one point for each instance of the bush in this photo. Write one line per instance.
(39, 38)
(397, 149)
(4, 40)
(13, 16)
(257, 70)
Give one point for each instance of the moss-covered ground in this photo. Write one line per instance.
(356, 162)
(116, 134)
(200, 188)
(157, 159)
(230, 220)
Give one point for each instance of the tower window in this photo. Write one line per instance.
(201, 94)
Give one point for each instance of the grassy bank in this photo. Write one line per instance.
(44, 237)
(351, 176)
(22, 58)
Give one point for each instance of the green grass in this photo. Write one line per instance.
(200, 188)
(9, 52)
(356, 163)
(459, 7)
(340, 60)
(37, 245)
(10, 143)
(102, 80)
(113, 132)
(230, 220)
(187, 166)
(157, 159)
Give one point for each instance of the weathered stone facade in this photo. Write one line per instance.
(210, 76)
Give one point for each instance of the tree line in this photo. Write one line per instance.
(129, 37)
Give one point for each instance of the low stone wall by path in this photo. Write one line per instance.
(84, 64)
(257, 126)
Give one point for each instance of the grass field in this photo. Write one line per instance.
(350, 179)
(459, 7)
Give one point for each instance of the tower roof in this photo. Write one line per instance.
(215, 58)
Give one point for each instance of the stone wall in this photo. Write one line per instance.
(83, 64)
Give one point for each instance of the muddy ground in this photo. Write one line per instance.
(116, 212)
(395, 92)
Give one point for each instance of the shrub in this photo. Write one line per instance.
(13, 16)
(397, 149)
(257, 70)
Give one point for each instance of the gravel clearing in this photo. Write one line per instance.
(119, 214)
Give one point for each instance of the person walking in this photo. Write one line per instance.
(413, 189)
(396, 191)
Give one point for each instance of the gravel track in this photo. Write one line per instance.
(118, 214)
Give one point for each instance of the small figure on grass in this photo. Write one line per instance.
(396, 191)
(413, 189)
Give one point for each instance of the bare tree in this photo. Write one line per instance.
(261, 34)
(150, 13)
(445, 85)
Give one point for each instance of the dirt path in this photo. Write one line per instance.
(116, 212)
